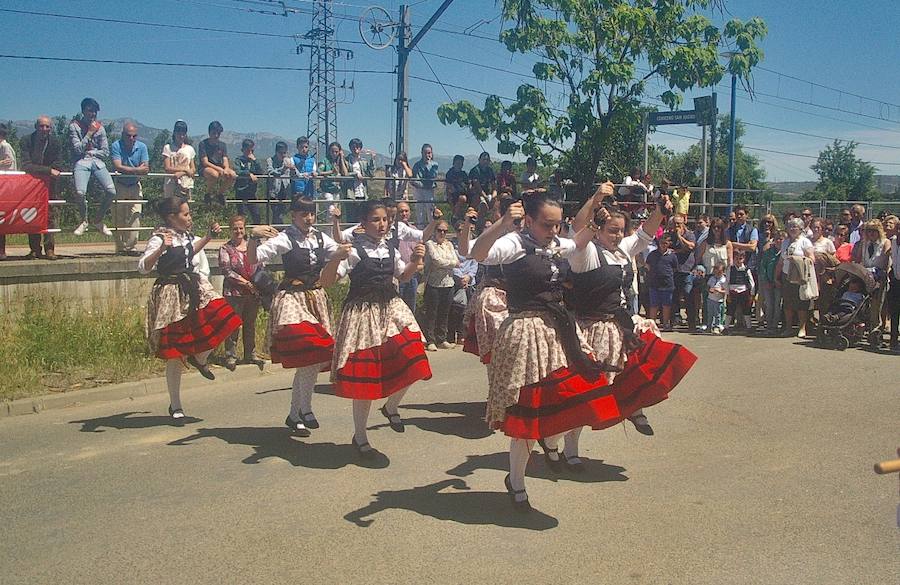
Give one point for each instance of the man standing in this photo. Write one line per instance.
(278, 168)
(90, 148)
(857, 219)
(424, 172)
(683, 246)
(41, 154)
(131, 159)
(246, 186)
(744, 236)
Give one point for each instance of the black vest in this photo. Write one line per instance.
(738, 276)
(297, 263)
(598, 293)
(177, 260)
(490, 275)
(372, 279)
(534, 279)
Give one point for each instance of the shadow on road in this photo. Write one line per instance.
(276, 442)
(125, 420)
(462, 506)
(595, 471)
(319, 389)
(470, 425)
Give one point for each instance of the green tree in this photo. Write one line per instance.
(843, 176)
(156, 158)
(604, 53)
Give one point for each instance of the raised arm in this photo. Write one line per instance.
(329, 274)
(215, 228)
(466, 232)
(483, 245)
(586, 214)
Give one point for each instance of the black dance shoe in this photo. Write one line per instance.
(554, 464)
(364, 450)
(297, 426)
(518, 505)
(309, 419)
(176, 413)
(641, 423)
(394, 420)
(573, 466)
(202, 368)
(261, 364)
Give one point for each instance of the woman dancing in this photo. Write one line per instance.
(378, 349)
(299, 332)
(541, 381)
(186, 318)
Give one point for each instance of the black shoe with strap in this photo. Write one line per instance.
(297, 427)
(394, 420)
(518, 505)
(641, 423)
(202, 368)
(309, 419)
(364, 450)
(554, 464)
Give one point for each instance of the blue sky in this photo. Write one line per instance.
(853, 46)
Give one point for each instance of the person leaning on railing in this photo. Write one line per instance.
(131, 159)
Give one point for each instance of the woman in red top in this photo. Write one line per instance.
(241, 294)
(842, 245)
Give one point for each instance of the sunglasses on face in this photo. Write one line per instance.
(804, 214)
(440, 231)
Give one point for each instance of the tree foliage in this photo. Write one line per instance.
(843, 176)
(603, 53)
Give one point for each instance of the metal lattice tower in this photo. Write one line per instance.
(321, 121)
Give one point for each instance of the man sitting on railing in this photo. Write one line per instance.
(90, 148)
(131, 159)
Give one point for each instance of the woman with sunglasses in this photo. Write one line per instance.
(440, 260)
(716, 249)
(873, 251)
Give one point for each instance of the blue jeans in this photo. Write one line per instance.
(81, 173)
(714, 313)
(408, 292)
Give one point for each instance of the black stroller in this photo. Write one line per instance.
(847, 322)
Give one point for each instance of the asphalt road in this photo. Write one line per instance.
(760, 473)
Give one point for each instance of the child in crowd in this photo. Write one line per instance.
(248, 172)
(740, 292)
(360, 169)
(506, 180)
(178, 160)
(304, 169)
(215, 164)
(662, 264)
(840, 311)
(717, 287)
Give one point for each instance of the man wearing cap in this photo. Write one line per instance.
(42, 156)
(131, 159)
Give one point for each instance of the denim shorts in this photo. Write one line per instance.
(661, 297)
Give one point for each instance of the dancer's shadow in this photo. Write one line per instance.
(277, 442)
(463, 506)
(595, 471)
(125, 420)
(470, 425)
(319, 389)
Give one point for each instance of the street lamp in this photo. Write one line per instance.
(729, 55)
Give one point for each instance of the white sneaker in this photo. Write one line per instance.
(445, 345)
(79, 231)
(101, 227)
(431, 347)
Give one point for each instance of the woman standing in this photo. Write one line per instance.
(440, 260)
(399, 173)
(600, 280)
(378, 349)
(179, 160)
(186, 318)
(873, 251)
(241, 294)
(716, 249)
(796, 245)
(299, 332)
(541, 381)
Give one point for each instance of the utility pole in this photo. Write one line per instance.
(703, 197)
(321, 117)
(731, 139)
(712, 149)
(405, 46)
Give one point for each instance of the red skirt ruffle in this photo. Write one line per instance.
(203, 331)
(650, 374)
(377, 372)
(301, 344)
(561, 402)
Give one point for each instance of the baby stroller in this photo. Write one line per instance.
(846, 322)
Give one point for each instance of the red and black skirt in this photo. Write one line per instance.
(378, 351)
(202, 330)
(299, 332)
(561, 402)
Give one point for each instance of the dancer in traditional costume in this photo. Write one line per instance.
(644, 367)
(378, 349)
(541, 379)
(186, 318)
(299, 335)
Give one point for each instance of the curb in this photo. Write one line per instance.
(38, 404)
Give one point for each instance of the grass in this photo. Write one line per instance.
(50, 348)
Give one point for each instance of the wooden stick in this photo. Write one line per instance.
(892, 466)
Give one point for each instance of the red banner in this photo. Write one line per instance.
(23, 204)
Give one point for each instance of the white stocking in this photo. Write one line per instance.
(173, 382)
(519, 452)
(553, 443)
(302, 390)
(571, 447)
(393, 401)
(360, 419)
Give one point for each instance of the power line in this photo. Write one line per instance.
(745, 147)
(449, 97)
(823, 86)
(819, 136)
(193, 65)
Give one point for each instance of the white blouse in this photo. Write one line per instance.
(281, 244)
